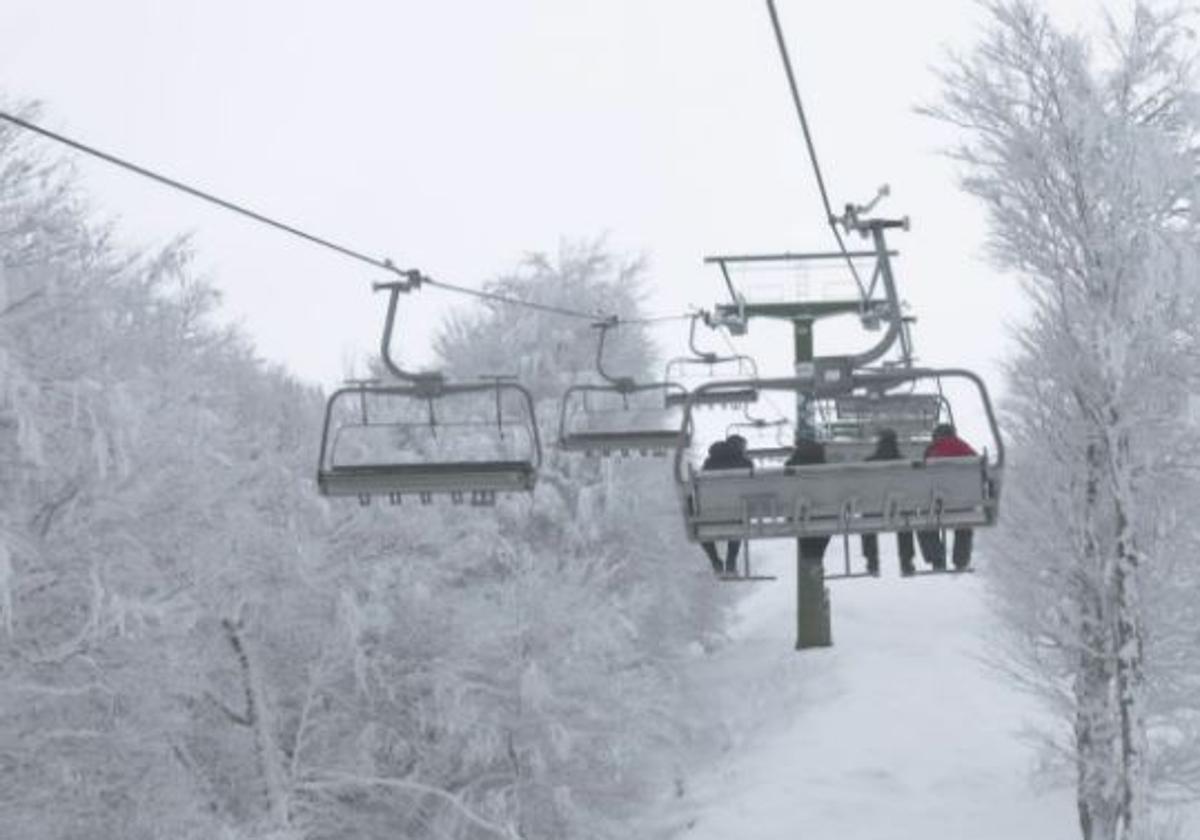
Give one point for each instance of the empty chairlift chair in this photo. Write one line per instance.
(425, 437)
(853, 421)
(910, 415)
(621, 417)
(706, 367)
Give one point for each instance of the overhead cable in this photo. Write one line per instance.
(382, 264)
(385, 265)
(812, 151)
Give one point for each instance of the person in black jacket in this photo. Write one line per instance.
(809, 451)
(728, 454)
(887, 448)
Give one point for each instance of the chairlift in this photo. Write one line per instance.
(848, 497)
(622, 417)
(711, 366)
(406, 440)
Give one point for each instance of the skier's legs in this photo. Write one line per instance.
(963, 538)
(932, 548)
(870, 550)
(731, 556)
(904, 547)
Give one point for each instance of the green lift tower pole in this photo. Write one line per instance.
(813, 620)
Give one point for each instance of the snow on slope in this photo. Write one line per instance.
(898, 732)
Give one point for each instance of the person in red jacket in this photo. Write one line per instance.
(947, 444)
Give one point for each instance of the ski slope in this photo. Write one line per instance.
(898, 732)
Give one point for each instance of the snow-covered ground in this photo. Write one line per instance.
(898, 732)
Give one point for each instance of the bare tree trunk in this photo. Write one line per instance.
(258, 717)
(1130, 650)
(1094, 736)
(1130, 689)
(1093, 686)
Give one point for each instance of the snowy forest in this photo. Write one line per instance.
(195, 644)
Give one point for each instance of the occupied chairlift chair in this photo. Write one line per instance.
(616, 418)
(848, 497)
(844, 498)
(732, 366)
(366, 410)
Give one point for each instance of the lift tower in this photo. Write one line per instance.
(813, 622)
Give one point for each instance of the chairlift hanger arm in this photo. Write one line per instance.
(622, 383)
(709, 357)
(432, 381)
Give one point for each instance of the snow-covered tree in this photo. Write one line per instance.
(1084, 153)
(573, 607)
(193, 644)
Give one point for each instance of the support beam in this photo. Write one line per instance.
(813, 621)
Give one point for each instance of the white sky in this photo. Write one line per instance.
(456, 137)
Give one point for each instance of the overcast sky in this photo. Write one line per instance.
(457, 136)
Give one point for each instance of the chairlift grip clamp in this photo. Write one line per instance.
(413, 278)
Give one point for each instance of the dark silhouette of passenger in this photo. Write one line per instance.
(809, 451)
(947, 444)
(728, 454)
(887, 448)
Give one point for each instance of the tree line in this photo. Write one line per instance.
(194, 644)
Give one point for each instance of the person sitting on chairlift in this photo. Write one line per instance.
(809, 451)
(728, 454)
(887, 448)
(947, 444)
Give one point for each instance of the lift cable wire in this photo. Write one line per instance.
(410, 275)
(656, 319)
(812, 151)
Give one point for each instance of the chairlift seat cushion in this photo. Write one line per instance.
(736, 396)
(437, 477)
